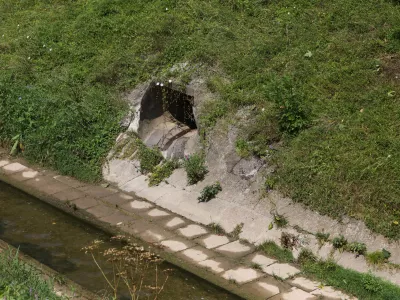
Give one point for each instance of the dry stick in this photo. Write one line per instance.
(101, 270)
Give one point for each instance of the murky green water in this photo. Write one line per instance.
(56, 239)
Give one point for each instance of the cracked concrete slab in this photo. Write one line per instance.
(192, 231)
(213, 241)
(235, 249)
(242, 275)
(283, 271)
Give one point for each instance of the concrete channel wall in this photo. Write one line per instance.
(222, 260)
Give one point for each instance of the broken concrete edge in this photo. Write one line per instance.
(113, 231)
(251, 286)
(67, 288)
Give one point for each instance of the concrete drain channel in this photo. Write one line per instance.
(56, 239)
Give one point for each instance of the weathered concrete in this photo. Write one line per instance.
(218, 258)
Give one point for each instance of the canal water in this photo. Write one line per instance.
(56, 239)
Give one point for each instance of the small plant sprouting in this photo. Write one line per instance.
(280, 220)
(339, 242)
(357, 248)
(195, 168)
(209, 192)
(322, 237)
(237, 231)
(217, 229)
(242, 148)
(256, 266)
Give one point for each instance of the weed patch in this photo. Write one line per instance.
(195, 168)
(273, 250)
(209, 192)
(163, 171)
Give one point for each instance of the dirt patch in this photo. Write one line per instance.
(391, 68)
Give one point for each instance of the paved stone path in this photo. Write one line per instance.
(228, 262)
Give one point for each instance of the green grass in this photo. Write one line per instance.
(317, 72)
(18, 280)
(273, 250)
(363, 286)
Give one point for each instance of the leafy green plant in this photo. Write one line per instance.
(356, 247)
(339, 242)
(195, 168)
(378, 257)
(209, 192)
(269, 183)
(162, 171)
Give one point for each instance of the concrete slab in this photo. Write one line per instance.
(156, 213)
(85, 202)
(135, 227)
(178, 178)
(235, 249)
(172, 223)
(153, 193)
(173, 200)
(101, 210)
(294, 294)
(69, 181)
(258, 259)
(47, 185)
(197, 254)
(25, 175)
(121, 171)
(118, 199)
(137, 206)
(135, 185)
(13, 168)
(242, 275)
(176, 244)
(283, 271)
(155, 234)
(192, 231)
(97, 191)
(213, 240)
(331, 293)
(266, 287)
(69, 195)
(4, 162)
(305, 284)
(117, 218)
(217, 265)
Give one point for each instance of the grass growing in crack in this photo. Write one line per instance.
(19, 280)
(217, 229)
(162, 171)
(256, 266)
(357, 248)
(209, 192)
(273, 250)
(280, 220)
(236, 231)
(339, 242)
(322, 237)
(363, 286)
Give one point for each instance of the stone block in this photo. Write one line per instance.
(117, 218)
(69, 195)
(85, 202)
(192, 231)
(101, 210)
(117, 199)
(259, 259)
(294, 294)
(235, 249)
(242, 275)
(97, 191)
(153, 193)
(176, 244)
(155, 234)
(304, 284)
(25, 175)
(47, 185)
(266, 287)
(217, 265)
(4, 162)
(283, 271)
(69, 181)
(172, 223)
(13, 168)
(197, 254)
(135, 227)
(213, 241)
(156, 213)
(332, 294)
(137, 206)
(135, 185)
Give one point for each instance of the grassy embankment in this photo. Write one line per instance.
(320, 74)
(19, 280)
